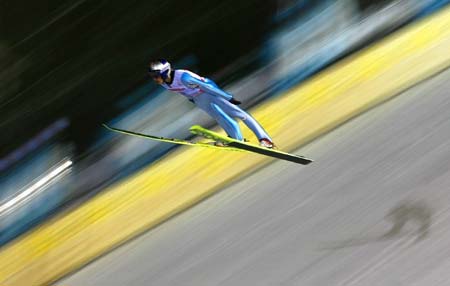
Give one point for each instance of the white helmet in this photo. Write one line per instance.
(160, 68)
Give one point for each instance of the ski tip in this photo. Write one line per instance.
(196, 130)
(195, 127)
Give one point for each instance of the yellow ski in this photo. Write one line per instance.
(230, 142)
(172, 140)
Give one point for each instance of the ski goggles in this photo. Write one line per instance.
(153, 73)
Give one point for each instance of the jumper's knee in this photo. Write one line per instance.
(229, 124)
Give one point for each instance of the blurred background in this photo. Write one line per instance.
(68, 66)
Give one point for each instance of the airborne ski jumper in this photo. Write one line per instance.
(218, 104)
(206, 95)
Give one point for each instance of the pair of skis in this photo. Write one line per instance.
(230, 144)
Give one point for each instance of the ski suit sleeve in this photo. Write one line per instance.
(207, 85)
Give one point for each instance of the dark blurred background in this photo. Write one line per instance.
(76, 58)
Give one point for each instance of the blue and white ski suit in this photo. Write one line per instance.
(210, 98)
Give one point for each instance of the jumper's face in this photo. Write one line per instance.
(158, 79)
(155, 75)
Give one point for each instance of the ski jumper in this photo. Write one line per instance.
(210, 98)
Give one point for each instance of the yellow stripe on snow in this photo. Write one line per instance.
(187, 175)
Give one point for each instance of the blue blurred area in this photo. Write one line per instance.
(432, 7)
(303, 38)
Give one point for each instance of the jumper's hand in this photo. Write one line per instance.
(235, 101)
